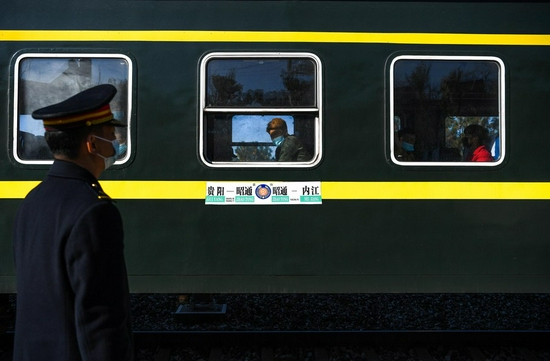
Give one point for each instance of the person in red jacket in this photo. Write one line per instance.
(475, 137)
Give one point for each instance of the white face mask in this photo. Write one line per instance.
(109, 161)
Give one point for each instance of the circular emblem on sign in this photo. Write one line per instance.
(263, 191)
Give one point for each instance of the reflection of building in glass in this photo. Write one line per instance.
(44, 80)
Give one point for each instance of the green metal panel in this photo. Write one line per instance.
(341, 245)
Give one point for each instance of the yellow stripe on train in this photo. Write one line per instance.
(329, 190)
(274, 36)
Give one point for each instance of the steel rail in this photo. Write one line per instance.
(523, 338)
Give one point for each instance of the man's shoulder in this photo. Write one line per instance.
(67, 192)
(292, 140)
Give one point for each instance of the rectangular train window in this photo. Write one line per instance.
(45, 79)
(260, 110)
(447, 110)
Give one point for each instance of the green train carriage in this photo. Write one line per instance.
(198, 82)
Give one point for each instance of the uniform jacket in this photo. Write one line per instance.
(72, 286)
(291, 150)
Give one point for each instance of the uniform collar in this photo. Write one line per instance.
(65, 169)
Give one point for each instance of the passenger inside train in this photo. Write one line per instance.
(475, 142)
(289, 147)
(404, 145)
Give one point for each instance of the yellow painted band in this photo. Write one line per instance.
(155, 189)
(16, 189)
(274, 36)
(435, 190)
(329, 190)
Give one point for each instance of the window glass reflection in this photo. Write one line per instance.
(260, 110)
(261, 82)
(243, 137)
(44, 80)
(436, 100)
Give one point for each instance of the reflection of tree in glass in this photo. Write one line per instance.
(294, 87)
(253, 153)
(469, 92)
(469, 97)
(297, 79)
(227, 89)
(439, 99)
(455, 127)
(419, 81)
(414, 92)
(418, 105)
(254, 97)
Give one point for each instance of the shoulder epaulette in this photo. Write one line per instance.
(100, 193)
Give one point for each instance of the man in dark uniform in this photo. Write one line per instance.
(289, 147)
(72, 286)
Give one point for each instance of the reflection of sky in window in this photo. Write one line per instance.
(255, 73)
(46, 70)
(42, 70)
(252, 128)
(30, 125)
(442, 68)
(105, 69)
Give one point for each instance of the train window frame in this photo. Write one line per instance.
(16, 117)
(393, 118)
(315, 112)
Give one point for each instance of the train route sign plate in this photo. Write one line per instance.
(263, 193)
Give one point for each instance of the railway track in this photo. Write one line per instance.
(334, 346)
(339, 346)
(251, 333)
(367, 353)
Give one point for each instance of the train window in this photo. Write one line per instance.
(260, 110)
(45, 79)
(447, 110)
